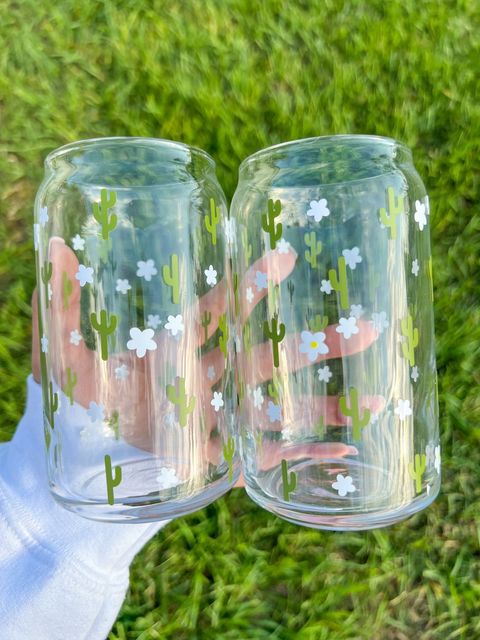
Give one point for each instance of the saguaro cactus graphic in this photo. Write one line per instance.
(289, 481)
(212, 220)
(268, 222)
(112, 480)
(177, 396)
(104, 327)
(276, 333)
(205, 321)
(228, 451)
(101, 215)
(395, 208)
(358, 421)
(417, 469)
(171, 277)
(411, 335)
(70, 384)
(315, 248)
(339, 282)
(224, 334)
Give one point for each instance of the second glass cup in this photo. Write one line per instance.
(336, 376)
(132, 268)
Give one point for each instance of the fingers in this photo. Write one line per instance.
(257, 367)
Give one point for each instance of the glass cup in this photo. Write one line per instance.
(336, 377)
(134, 325)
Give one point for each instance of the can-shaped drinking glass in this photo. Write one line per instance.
(336, 374)
(134, 327)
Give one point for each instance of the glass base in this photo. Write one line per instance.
(155, 504)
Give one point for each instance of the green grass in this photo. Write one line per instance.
(232, 76)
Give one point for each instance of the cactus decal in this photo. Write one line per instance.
(339, 281)
(114, 423)
(289, 481)
(318, 323)
(212, 221)
(52, 405)
(268, 222)
(171, 277)
(359, 422)
(235, 293)
(417, 469)
(101, 215)
(224, 334)
(276, 333)
(177, 396)
(411, 335)
(70, 384)
(67, 288)
(104, 328)
(228, 451)
(315, 248)
(112, 480)
(247, 338)
(205, 321)
(247, 247)
(46, 275)
(395, 206)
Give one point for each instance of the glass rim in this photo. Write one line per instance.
(343, 137)
(165, 143)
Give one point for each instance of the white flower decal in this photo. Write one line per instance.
(313, 344)
(347, 327)
(43, 216)
(122, 372)
(283, 246)
(174, 324)
(356, 311)
(257, 397)
(403, 409)
(78, 243)
(261, 280)
(153, 321)
(415, 267)
(96, 412)
(167, 478)
(318, 209)
(211, 372)
(414, 373)
(211, 275)
(249, 295)
(379, 321)
(75, 337)
(146, 269)
(274, 412)
(420, 217)
(352, 257)
(217, 400)
(141, 341)
(84, 275)
(437, 462)
(326, 287)
(343, 485)
(44, 343)
(123, 286)
(36, 236)
(324, 373)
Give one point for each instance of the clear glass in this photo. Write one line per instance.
(138, 389)
(337, 377)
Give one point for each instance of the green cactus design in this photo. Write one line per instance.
(104, 247)
(315, 248)
(47, 436)
(290, 289)
(273, 387)
(104, 327)
(212, 221)
(46, 275)
(318, 323)
(112, 480)
(276, 333)
(52, 405)
(235, 293)
(339, 282)
(67, 288)
(228, 451)
(411, 335)
(247, 338)
(206, 320)
(100, 212)
(224, 334)
(289, 481)
(177, 396)
(430, 273)
(358, 422)
(114, 423)
(171, 277)
(247, 247)
(417, 469)
(70, 384)
(268, 222)
(395, 208)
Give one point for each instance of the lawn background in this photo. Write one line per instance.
(232, 76)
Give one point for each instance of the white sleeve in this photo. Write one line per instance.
(61, 576)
